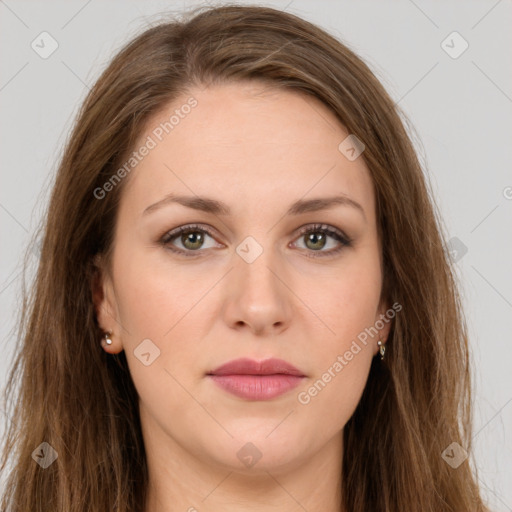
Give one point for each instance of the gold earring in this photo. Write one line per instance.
(108, 339)
(382, 349)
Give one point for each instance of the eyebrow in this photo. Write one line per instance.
(209, 205)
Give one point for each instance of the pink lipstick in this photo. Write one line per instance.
(257, 380)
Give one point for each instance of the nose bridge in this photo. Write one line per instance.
(258, 263)
(259, 296)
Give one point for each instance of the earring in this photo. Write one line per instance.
(382, 349)
(108, 339)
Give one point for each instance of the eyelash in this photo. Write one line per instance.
(314, 228)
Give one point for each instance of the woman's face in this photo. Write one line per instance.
(263, 282)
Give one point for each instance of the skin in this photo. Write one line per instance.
(258, 150)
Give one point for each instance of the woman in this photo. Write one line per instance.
(243, 300)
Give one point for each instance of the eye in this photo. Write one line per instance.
(316, 238)
(192, 239)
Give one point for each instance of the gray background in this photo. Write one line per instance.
(460, 109)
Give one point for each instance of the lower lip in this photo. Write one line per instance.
(257, 387)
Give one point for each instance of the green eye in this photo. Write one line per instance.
(316, 237)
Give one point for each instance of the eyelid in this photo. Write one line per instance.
(169, 235)
(330, 230)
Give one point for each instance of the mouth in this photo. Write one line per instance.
(257, 380)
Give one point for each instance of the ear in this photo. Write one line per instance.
(105, 305)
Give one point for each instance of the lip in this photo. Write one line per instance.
(257, 380)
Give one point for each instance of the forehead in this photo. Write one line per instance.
(246, 143)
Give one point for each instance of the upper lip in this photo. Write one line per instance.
(246, 366)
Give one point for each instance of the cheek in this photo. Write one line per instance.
(332, 396)
(348, 300)
(154, 297)
(152, 306)
(159, 303)
(342, 356)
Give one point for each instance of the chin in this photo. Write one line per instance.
(258, 447)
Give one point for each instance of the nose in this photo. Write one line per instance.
(258, 298)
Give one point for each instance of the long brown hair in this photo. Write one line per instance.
(66, 391)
